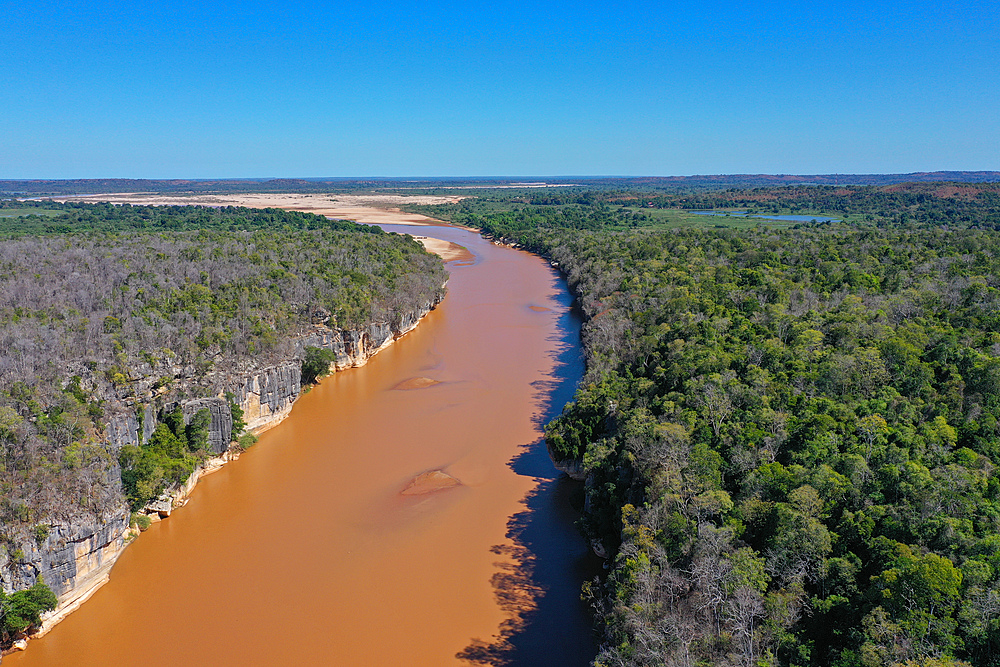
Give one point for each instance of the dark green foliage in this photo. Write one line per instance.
(175, 422)
(40, 533)
(792, 439)
(197, 430)
(237, 413)
(140, 521)
(21, 610)
(79, 217)
(517, 215)
(316, 364)
(148, 470)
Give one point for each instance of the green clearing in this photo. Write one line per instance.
(667, 218)
(22, 212)
(616, 217)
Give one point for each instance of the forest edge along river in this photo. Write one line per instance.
(309, 550)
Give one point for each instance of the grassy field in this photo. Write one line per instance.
(657, 218)
(20, 212)
(671, 218)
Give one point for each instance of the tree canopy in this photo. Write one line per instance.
(790, 434)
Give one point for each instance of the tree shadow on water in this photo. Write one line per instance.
(538, 582)
(538, 585)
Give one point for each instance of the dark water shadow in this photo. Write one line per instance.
(539, 584)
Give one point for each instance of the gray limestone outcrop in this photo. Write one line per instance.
(123, 428)
(71, 555)
(74, 557)
(220, 430)
(267, 395)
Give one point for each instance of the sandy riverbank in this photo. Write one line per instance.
(446, 250)
(369, 208)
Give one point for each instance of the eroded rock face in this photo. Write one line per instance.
(123, 428)
(163, 505)
(267, 395)
(76, 555)
(220, 431)
(70, 556)
(572, 467)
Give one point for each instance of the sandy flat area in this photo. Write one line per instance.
(446, 250)
(416, 383)
(429, 482)
(370, 208)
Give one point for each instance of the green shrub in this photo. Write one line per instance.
(148, 469)
(197, 430)
(316, 364)
(237, 413)
(140, 521)
(41, 533)
(23, 609)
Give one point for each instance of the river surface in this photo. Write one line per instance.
(305, 551)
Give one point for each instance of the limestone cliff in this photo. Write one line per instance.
(266, 396)
(74, 557)
(70, 556)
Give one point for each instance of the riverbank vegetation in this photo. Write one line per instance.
(791, 435)
(22, 610)
(959, 205)
(108, 309)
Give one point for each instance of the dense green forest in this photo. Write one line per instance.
(790, 435)
(105, 309)
(919, 204)
(75, 217)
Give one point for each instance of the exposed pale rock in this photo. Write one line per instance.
(163, 505)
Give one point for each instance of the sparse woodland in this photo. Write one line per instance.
(103, 307)
(791, 436)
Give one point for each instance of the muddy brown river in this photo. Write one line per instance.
(306, 551)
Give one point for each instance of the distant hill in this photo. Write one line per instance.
(108, 185)
(743, 180)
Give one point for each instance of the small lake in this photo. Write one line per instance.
(790, 218)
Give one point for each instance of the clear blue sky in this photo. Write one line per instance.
(269, 89)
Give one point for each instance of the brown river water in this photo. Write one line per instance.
(306, 551)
